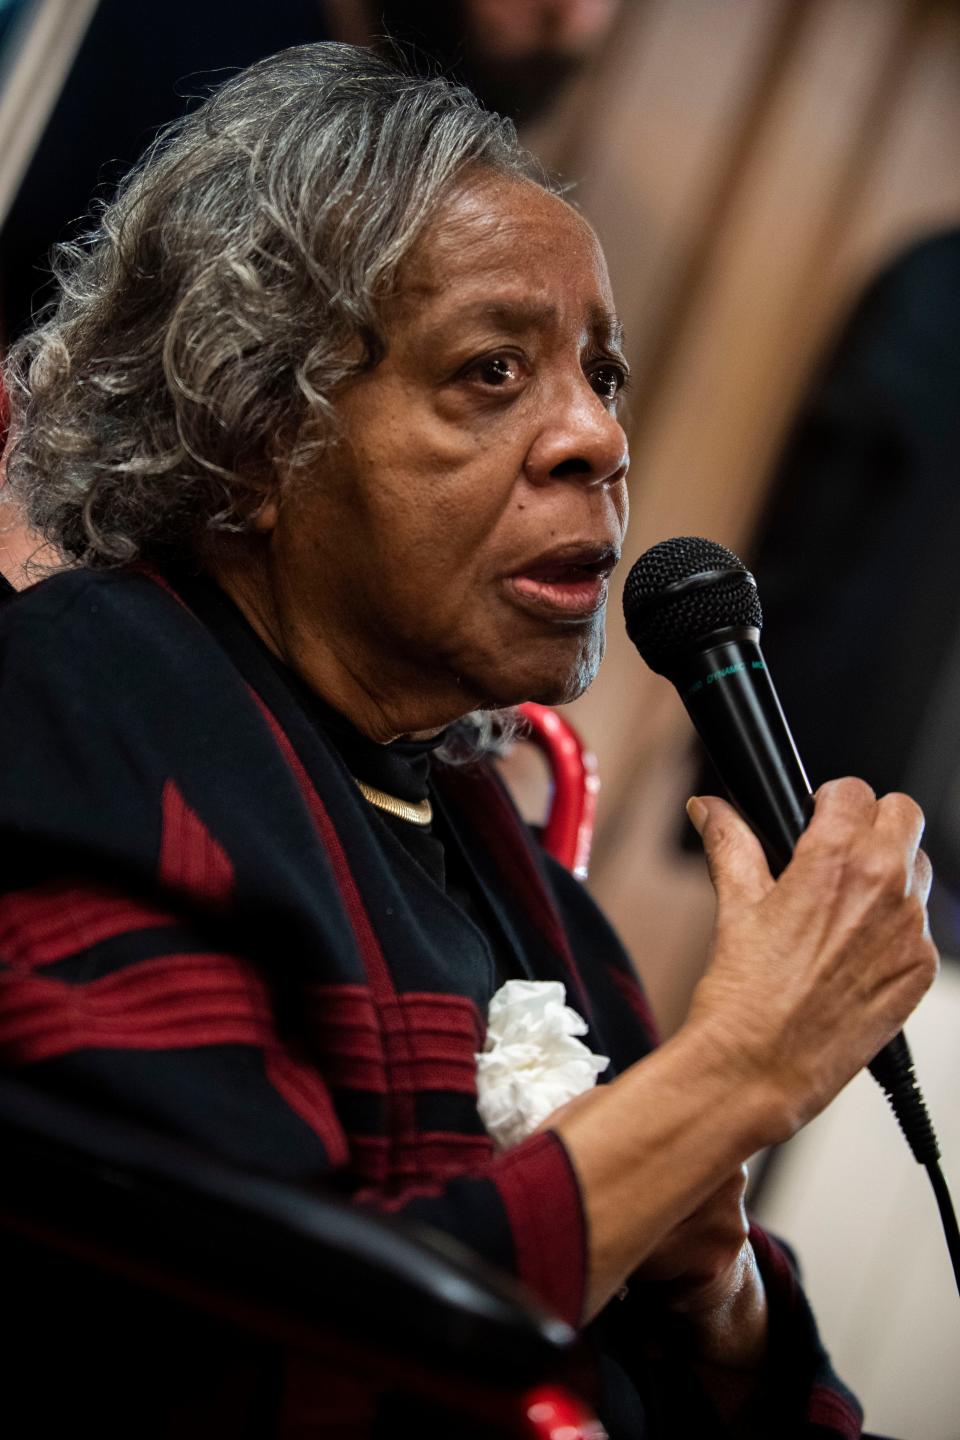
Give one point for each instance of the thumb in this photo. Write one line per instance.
(735, 858)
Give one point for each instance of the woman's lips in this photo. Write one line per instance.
(570, 592)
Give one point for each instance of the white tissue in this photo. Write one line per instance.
(531, 1062)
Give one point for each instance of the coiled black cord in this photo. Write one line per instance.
(894, 1072)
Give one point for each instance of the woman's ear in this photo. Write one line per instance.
(264, 518)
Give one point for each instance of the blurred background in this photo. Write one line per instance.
(777, 186)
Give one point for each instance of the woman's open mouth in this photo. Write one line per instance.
(570, 583)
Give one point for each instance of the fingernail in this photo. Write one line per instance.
(697, 812)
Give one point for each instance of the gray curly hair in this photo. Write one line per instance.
(236, 281)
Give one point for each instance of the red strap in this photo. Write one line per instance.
(568, 833)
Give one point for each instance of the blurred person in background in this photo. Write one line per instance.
(136, 71)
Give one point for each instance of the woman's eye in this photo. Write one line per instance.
(608, 380)
(496, 370)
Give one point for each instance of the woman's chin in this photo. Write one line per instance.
(549, 684)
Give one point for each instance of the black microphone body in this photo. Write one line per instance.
(692, 611)
(729, 695)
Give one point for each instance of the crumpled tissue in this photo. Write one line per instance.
(531, 1062)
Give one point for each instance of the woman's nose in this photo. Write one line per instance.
(580, 439)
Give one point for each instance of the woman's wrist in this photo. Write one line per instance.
(649, 1148)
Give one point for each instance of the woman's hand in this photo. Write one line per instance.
(706, 1271)
(811, 976)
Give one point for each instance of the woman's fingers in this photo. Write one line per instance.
(812, 974)
(884, 837)
(703, 1247)
(735, 858)
(847, 797)
(922, 878)
(899, 818)
(899, 822)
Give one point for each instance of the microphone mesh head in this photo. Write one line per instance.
(663, 624)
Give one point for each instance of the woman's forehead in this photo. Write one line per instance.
(506, 236)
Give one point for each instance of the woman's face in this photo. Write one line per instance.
(453, 552)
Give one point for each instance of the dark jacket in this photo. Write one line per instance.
(206, 926)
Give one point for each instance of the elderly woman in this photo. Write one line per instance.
(326, 421)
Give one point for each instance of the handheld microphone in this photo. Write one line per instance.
(693, 612)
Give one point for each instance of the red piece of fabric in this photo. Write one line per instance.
(832, 1411)
(399, 1042)
(191, 860)
(49, 922)
(164, 1003)
(444, 1032)
(551, 1259)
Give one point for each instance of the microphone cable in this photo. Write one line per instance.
(692, 610)
(894, 1072)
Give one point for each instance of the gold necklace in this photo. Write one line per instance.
(419, 812)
